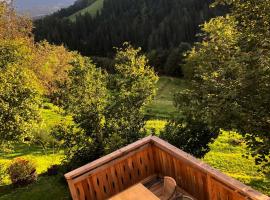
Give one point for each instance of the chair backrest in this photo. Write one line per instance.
(168, 188)
(186, 198)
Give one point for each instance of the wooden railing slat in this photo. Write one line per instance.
(145, 158)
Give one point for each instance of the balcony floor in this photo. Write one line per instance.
(155, 185)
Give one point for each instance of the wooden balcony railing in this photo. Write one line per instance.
(125, 167)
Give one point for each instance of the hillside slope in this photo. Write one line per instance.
(92, 9)
(163, 29)
(41, 7)
(150, 24)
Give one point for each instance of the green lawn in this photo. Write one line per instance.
(46, 187)
(226, 155)
(92, 9)
(162, 107)
(52, 115)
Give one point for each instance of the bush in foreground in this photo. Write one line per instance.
(190, 135)
(22, 172)
(2, 172)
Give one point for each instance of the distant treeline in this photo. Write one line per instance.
(163, 28)
(77, 6)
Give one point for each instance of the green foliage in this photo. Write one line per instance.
(226, 155)
(189, 135)
(162, 106)
(108, 110)
(43, 158)
(2, 173)
(22, 172)
(79, 147)
(154, 127)
(230, 76)
(28, 70)
(84, 96)
(174, 62)
(13, 53)
(131, 87)
(13, 26)
(50, 64)
(19, 95)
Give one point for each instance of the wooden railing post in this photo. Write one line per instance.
(72, 189)
(208, 186)
(150, 156)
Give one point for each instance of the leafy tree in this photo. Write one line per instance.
(19, 94)
(174, 62)
(132, 86)
(79, 147)
(84, 96)
(51, 64)
(12, 25)
(108, 110)
(192, 136)
(229, 72)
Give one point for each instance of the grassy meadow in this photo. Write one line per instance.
(162, 106)
(92, 10)
(46, 187)
(225, 155)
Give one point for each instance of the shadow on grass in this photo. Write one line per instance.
(4, 189)
(261, 185)
(24, 150)
(46, 187)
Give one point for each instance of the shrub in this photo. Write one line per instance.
(22, 172)
(2, 172)
(190, 135)
(79, 148)
(42, 136)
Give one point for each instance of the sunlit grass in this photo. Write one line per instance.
(162, 106)
(227, 155)
(43, 158)
(91, 9)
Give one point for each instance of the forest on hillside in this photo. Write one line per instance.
(164, 29)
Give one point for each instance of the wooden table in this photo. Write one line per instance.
(136, 192)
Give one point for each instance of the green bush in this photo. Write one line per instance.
(42, 136)
(22, 172)
(2, 172)
(190, 135)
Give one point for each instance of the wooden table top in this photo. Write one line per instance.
(136, 192)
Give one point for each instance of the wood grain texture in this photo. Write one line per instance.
(106, 181)
(151, 156)
(135, 192)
